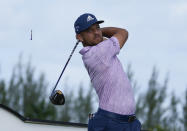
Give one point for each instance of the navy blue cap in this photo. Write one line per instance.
(84, 21)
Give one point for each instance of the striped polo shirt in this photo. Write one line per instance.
(108, 77)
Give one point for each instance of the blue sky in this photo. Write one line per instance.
(157, 37)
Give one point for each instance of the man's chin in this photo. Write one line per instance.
(97, 41)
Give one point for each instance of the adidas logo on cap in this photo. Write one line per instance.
(89, 18)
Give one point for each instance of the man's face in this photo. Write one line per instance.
(92, 36)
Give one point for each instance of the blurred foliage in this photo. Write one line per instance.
(27, 94)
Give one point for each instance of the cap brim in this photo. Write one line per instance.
(100, 21)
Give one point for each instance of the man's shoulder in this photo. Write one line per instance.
(113, 40)
(100, 48)
(84, 50)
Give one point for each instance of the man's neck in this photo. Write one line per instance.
(84, 44)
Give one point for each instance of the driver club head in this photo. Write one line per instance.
(57, 97)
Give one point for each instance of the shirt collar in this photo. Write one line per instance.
(84, 50)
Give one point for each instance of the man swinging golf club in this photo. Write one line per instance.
(116, 100)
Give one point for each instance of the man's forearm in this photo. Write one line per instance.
(109, 31)
(120, 34)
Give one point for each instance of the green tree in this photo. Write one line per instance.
(66, 111)
(174, 117)
(83, 104)
(3, 93)
(150, 104)
(184, 108)
(77, 107)
(26, 94)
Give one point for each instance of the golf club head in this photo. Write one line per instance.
(57, 98)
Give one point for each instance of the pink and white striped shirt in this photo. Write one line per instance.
(108, 77)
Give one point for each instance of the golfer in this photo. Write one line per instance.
(116, 100)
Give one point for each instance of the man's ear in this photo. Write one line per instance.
(79, 37)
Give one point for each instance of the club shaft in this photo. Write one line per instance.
(66, 65)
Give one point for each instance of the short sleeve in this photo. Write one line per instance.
(107, 49)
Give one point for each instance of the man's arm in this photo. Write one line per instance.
(120, 34)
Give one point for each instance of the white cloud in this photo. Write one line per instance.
(179, 9)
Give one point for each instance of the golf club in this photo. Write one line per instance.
(57, 97)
